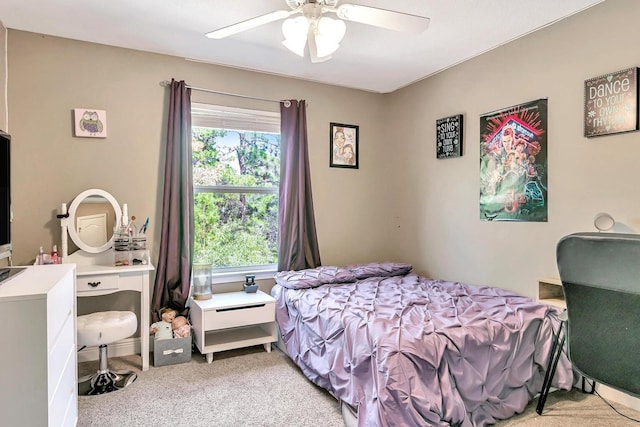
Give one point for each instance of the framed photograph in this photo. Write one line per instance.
(343, 149)
(611, 103)
(90, 123)
(449, 137)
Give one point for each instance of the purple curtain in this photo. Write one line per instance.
(297, 239)
(173, 274)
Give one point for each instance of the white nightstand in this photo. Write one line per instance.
(233, 320)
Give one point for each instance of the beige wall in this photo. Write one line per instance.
(3, 77)
(402, 204)
(3, 92)
(439, 199)
(49, 77)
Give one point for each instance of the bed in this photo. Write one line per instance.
(405, 350)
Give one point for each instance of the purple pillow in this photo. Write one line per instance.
(313, 277)
(380, 269)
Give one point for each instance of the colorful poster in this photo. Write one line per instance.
(513, 163)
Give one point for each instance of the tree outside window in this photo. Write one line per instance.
(236, 174)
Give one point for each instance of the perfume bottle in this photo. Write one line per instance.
(131, 228)
(55, 259)
(40, 259)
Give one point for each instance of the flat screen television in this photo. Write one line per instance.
(5, 193)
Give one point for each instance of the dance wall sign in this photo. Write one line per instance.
(611, 103)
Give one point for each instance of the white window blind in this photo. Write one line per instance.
(230, 118)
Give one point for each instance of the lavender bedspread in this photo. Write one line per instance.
(410, 351)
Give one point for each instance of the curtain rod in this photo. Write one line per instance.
(168, 83)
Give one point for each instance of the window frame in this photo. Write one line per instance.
(220, 117)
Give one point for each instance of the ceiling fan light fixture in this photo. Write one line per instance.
(322, 35)
(318, 54)
(295, 33)
(294, 46)
(295, 28)
(332, 30)
(325, 49)
(327, 35)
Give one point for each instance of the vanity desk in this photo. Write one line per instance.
(90, 222)
(96, 276)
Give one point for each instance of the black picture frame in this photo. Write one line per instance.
(449, 137)
(611, 103)
(343, 145)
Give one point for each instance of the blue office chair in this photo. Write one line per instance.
(600, 274)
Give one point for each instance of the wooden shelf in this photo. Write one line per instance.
(550, 292)
(228, 339)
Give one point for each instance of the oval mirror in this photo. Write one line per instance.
(92, 216)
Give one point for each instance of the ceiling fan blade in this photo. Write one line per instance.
(250, 23)
(391, 20)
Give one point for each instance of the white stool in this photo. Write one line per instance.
(100, 329)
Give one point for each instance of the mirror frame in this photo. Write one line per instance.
(72, 219)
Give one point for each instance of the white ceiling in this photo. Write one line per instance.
(369, 58)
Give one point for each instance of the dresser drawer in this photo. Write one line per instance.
(71, 416)
(66, 391)
(59, 354)
(96, 283)
(222, 318)
(60, 306)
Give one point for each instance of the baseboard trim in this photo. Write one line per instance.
(124, 347)
(615, 396)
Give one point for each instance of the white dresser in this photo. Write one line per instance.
(38, 369)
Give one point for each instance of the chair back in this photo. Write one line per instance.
(600, 274)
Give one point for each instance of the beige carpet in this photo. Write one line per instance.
(246, 387)
(250, 387)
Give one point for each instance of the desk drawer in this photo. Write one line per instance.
(130, 281)
(96, 283)
(223, 318)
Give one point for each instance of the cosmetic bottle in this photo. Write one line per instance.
(40, 260)
(132, 230)
(54, 255)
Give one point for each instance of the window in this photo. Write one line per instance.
(236, 174)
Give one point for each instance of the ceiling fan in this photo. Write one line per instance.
(321, 33)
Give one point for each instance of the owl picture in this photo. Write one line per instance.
(90, 123)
